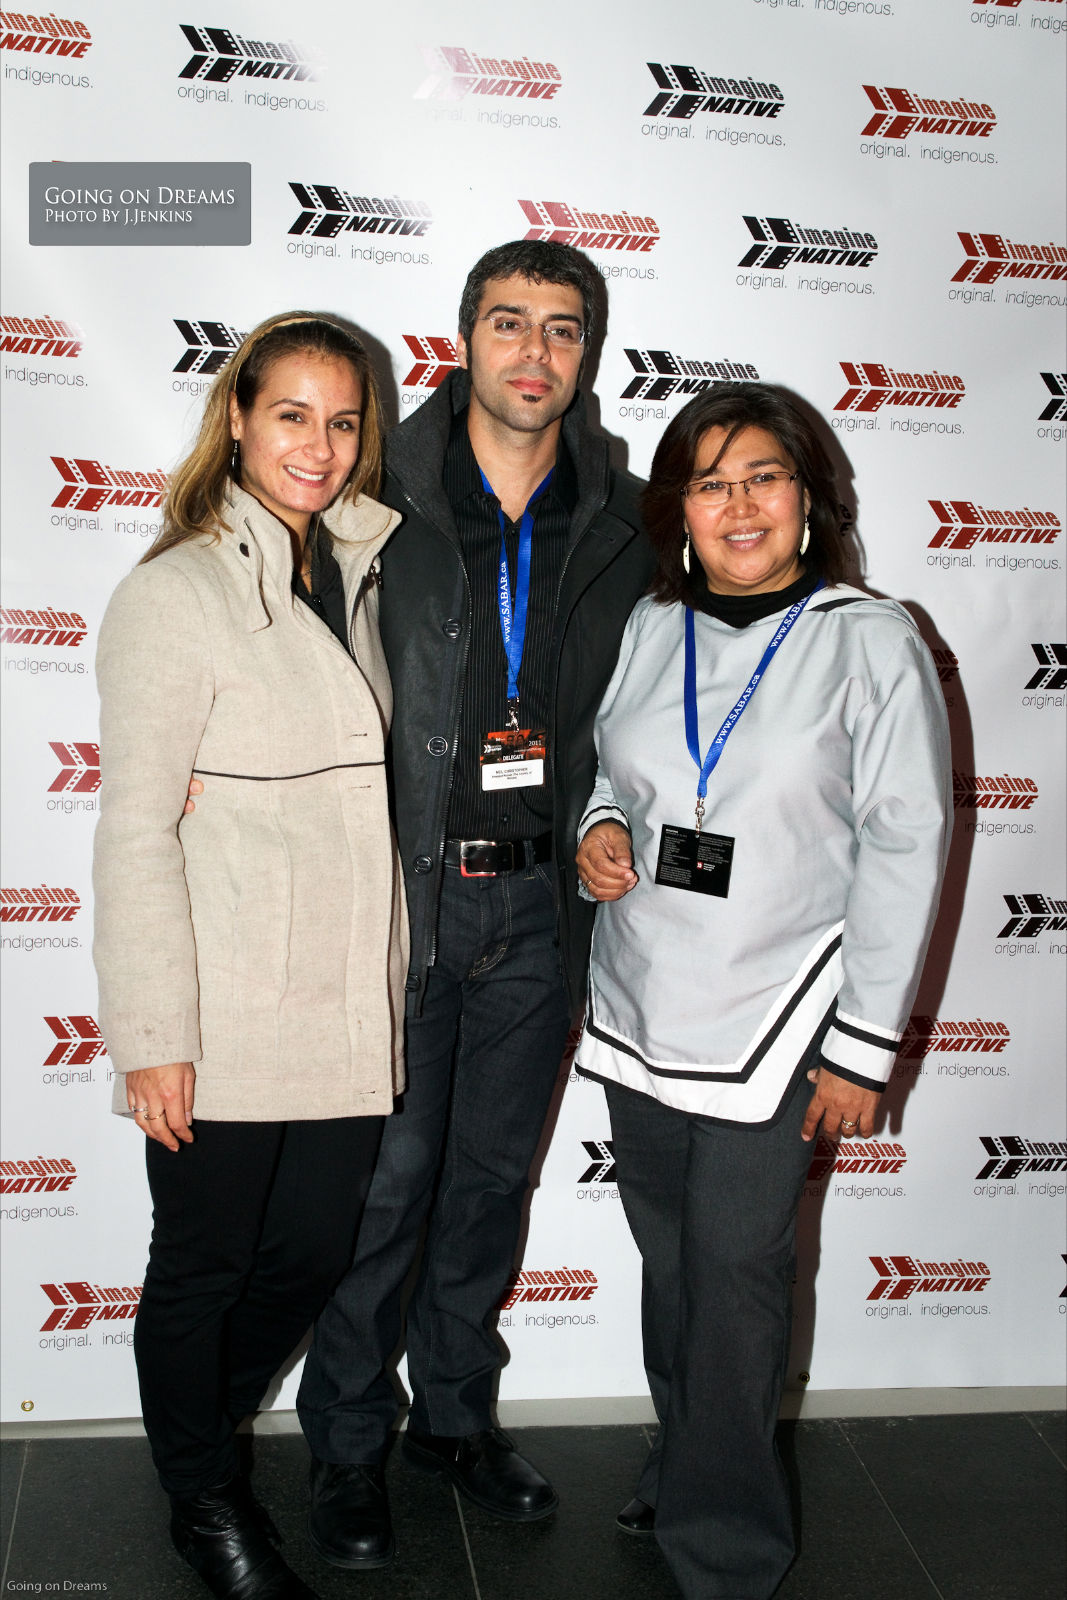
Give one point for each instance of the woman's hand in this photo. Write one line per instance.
(606, 861)
(161, 1098)
(843, 1107)
(195, 787)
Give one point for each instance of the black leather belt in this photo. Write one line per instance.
(488, 858)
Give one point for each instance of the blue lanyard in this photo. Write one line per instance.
(718, 744)
(513, 604)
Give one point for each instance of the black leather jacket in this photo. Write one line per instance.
(425, 623)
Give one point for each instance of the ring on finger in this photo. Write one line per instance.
(139, 1111)
(154, 1118)
(846, 1124)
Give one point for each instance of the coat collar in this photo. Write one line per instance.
(360, 528)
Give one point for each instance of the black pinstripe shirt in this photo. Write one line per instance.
(515, 813)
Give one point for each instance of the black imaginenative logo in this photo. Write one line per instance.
(1052, 672)
(661, 374)
(685, 90)
(1056, 384)
(1009, 1156)
(602, 1169)
(219, 55)
(328, 211)
(781, 242)
(210, 345)
(1033, 914)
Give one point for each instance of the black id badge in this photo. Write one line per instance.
(699, 862)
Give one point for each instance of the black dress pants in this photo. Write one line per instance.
(253, 1225)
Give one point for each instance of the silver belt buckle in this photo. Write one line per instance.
(469, 848)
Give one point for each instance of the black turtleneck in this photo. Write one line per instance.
(740, 609)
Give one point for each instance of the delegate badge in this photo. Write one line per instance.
(693, 860)
(514, 759)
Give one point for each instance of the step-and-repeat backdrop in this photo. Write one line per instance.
(856, 198)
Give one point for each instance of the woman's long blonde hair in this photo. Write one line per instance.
(195, 499)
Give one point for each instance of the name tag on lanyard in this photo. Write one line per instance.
(514, 757)
(689, 858)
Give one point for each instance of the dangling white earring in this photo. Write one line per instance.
(685, 553)
(235, 461)
(806, 539)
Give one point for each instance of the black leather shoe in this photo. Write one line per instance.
(222, 1537)
(348, 1523)
(637, 1517)
(487, 1468)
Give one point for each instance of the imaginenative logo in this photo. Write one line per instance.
(79, 1042)
(41, 627)
(42, 904)
(42, 1175)
(209, 344)
(79, 768)
(872, 386)
(1056, 384)
(1032, 915)
(43, 36)
(456, 73)
(88, 485)
(589, 230)
(602, 1170)
(990, 256)
(435, 358)
(947, 664)
(781, 243)
(899, 113)
(661, 374)
(899, 1277)
(962, 523)
(1003, 793)
(683, 91)
(925, 1035)
(1052, 671)
(855, 1155)
(1009, 1156)
(328, 211)
(559, 1283)
(79, 1304)
(40, 336)
(219, 55)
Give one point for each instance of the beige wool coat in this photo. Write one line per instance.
(264, 936)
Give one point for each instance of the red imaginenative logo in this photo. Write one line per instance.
(39, 336)
(79, 768)
(924, 1035)
(39, 905)
(219, 55)
(435, 358)
(561, 1283)
(947, 664)
(1011, 3)
(1033, 914)
(87, 485)
(961, 524)
(780, 242)
(899, 1277)
(79, 1042)
(971, 793)
(41, 627)
(455, 73)
(42, 1175)
(899, 113)
(47, 36)
(857, 1155)
(872, 386)
(560, 223)
(78, 1304)
(661, 374)
(685, 90)
(1009, 1156)
(990, 256)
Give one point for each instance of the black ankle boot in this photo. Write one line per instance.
(221, 1535)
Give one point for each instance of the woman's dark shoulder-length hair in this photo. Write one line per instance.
(734, 406)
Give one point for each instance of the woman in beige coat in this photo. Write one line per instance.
(250, 953)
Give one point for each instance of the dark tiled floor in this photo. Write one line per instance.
(964, 1507)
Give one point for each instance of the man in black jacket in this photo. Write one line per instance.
(504, 595)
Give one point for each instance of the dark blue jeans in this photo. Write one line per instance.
(482, 1061)
(713, 1210)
